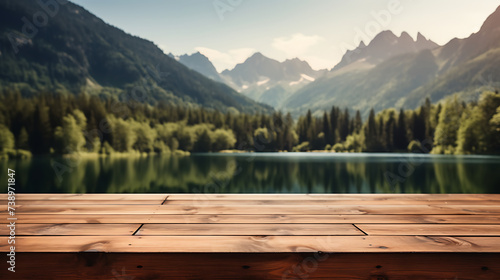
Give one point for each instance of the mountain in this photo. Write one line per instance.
(200, 63)
(379, 87)
(467, 66)
(371, 78)
(258, 68)
(74, 51)
(385, 45)
(270, 81)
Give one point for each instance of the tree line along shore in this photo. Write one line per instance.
(72, 124)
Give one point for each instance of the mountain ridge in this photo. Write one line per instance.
(383, 46)
(201, 64)
(78, 52)
(269, 81)
(462, 66)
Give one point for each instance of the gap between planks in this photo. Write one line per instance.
(139, 228)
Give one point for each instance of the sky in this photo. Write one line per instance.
(318, 31)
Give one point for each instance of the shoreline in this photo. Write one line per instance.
(179, 153)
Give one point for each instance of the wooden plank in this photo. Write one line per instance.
(246, 219)
(253, 244)
(430, 229)
(84, 209)
(78, 196)
(85, 201)
(327, 202)
(311, 266)
(247, 229)
(257, 209)
(304, 197)
(252, 202)
(72, 229)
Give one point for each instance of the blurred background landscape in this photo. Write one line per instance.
(85, 106)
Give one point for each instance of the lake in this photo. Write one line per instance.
(258, 173)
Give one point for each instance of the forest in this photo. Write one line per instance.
(74, 124)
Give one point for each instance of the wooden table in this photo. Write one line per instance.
(254, 236)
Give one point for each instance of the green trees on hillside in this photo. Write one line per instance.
(468, 128)
(73, 124)
(449, 128)
(495, 130)
(123, 135)
(69, 138)
(401, 132)
(6, 138)
(328, 129)
(477, 132)
(448, 125)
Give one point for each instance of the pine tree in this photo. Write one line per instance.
(327, 130)
(418, 125)
(334, 124)
(358, 123)
(389, 128)
(371, 134)
(22, 141)
(344, 130)
(41, 139)
(400, 133)
(203, 143)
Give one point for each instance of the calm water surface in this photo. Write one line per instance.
(259, 173)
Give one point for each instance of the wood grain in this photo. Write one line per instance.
(430, 229)
(287, 266)
(254, 244)
(183, 223)
(86, 202)
(257, 209)
(246, 219)
(72, 229)
(78, 196)
(358, 197)
(328, 202)
(248, 229)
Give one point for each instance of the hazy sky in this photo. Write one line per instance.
(319, 31)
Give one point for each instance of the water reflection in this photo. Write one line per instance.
(261, 173)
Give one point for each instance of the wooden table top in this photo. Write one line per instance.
(253, 223)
